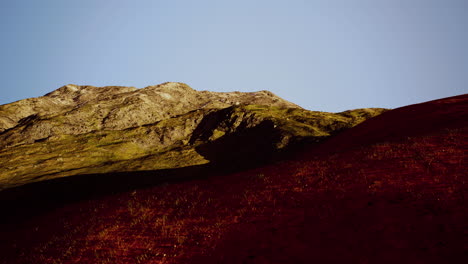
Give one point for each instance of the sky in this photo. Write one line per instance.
(325, 55)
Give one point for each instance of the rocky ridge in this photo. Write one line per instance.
(74, 109)
(86, 130)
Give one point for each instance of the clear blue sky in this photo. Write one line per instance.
(323, 55)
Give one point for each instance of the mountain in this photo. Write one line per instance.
(77, 130)
(392, 189)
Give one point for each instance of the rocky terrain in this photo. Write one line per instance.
(77, 130)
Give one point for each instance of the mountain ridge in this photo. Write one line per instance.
(73, 97)
(85, 130)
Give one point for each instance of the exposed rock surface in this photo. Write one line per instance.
(81, 109)
(85, 129)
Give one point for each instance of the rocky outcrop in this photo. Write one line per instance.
(85, 130)
(74, 110)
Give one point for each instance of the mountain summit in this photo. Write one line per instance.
(91, 130)
(119, 107)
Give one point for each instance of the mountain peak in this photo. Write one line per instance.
(79, 129)
(177, 86)
(87, 108)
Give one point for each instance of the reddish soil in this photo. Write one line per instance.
(392, 190)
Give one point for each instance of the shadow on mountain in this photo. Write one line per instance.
(248, 146)
(244, 149)
(36, 198)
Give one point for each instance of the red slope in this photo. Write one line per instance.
(400, 123)
(400, 200)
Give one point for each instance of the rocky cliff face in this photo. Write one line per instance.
(85, 130)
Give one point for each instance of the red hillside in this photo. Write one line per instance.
(391, 190)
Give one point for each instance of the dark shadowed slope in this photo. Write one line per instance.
(391, 190)
(395, 196)
(404, 122)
